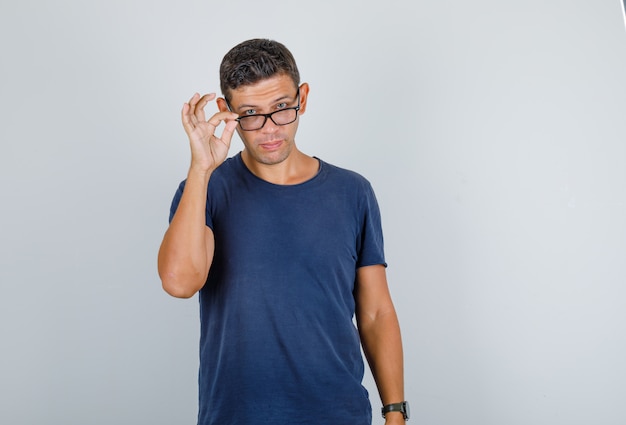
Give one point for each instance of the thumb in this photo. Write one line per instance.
(229, 129)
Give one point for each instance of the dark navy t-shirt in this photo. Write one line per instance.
(278, 344)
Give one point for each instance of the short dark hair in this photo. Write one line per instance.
(255, 60)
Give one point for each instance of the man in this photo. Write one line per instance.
(284, 250)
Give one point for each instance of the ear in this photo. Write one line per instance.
(222, 105)
(304, 94)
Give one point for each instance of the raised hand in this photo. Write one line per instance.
(207, 150)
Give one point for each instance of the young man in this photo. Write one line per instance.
(284, 250)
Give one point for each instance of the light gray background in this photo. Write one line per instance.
(493, 132)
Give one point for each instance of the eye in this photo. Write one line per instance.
(281, 105)
(250, 112)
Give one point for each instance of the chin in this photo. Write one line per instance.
(271, 158)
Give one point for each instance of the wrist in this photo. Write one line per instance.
(196, 171)
(393, 412)
(395, 418)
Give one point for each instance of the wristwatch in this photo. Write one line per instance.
(398, 407)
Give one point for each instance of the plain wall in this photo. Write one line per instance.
(493, 132)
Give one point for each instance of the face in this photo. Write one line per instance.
(272, 144)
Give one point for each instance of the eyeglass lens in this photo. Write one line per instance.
(282, 117)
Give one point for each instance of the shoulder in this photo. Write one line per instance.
(230, 167)
(345, 177)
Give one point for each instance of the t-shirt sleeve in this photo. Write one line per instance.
(370, 244)
(176, 201)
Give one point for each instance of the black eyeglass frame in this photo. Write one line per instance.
(266, 116)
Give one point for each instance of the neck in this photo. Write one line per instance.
(296, 168)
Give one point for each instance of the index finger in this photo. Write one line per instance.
(225, 116)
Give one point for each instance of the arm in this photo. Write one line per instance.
(380, 336)
(186, 252)
(187, 249)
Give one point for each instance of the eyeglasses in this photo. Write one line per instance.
(281, 117)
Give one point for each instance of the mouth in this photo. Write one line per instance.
(271, 145)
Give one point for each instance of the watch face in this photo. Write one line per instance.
(407, 410)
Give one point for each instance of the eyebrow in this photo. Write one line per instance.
(251, 106)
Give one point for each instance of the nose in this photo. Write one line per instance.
(269, 126)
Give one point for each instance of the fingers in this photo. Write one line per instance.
(188, 113)
(228, 132)
(201, 103)
(197, 103)
(229, 129)
(186, 118)
(226, 116)
(193, 116)
(193, 111)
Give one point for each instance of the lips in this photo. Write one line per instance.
(271, 145)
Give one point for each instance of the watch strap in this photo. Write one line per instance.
(396, 407)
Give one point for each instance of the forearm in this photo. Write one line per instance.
(186, 251)
(382, 345)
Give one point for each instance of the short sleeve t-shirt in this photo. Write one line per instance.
(278, 342)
